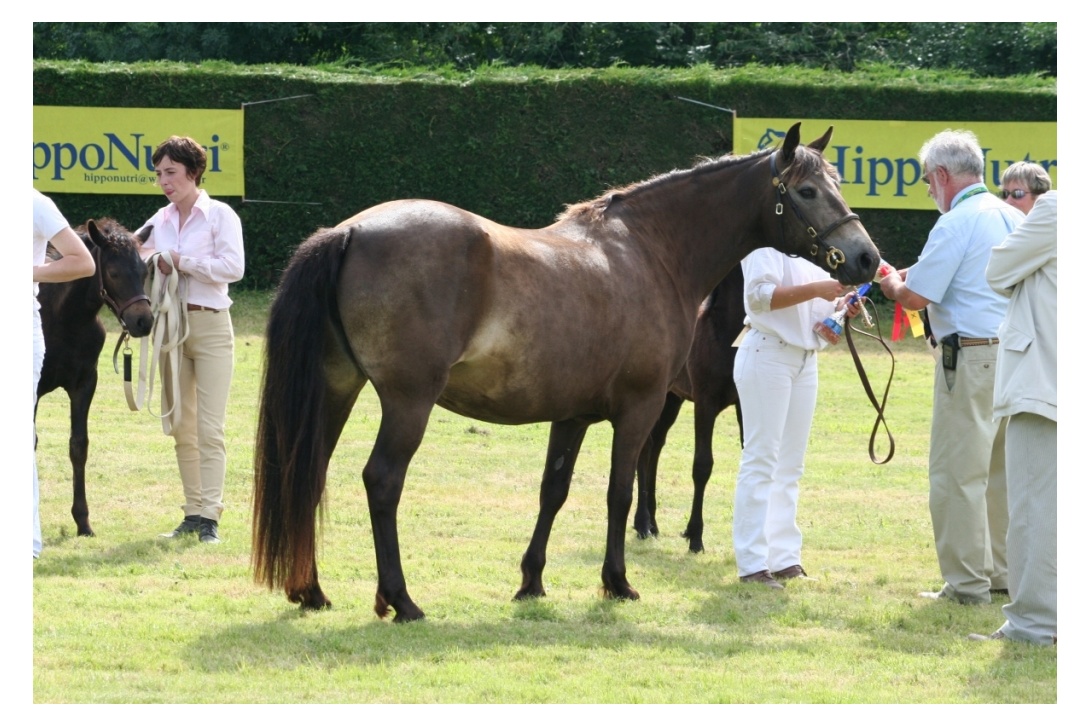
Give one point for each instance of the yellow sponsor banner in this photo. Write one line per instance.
(108, 150)
(879, 162)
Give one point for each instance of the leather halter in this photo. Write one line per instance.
(834, 256)
(110, 302)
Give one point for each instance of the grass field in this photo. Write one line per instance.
(128, 617)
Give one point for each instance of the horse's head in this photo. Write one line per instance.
(120, 272)
(811, 218)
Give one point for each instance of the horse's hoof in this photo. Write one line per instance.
(696, 542)
(527, 593)
(88, 533)
(409, 614)
(624, 593)
(315, 605)
(311, 599)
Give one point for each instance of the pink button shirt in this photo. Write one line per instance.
(210, 246)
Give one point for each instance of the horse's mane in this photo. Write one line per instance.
(807, 162)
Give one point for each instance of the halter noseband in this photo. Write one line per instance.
(110, 302)
(834, 256)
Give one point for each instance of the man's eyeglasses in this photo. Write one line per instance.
(1016, 193)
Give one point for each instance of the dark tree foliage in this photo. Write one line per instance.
(983, 49)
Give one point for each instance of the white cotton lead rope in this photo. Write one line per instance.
(170, 328)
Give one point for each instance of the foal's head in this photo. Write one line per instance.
(120, 272)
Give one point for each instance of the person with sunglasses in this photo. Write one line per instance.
(1023, 183)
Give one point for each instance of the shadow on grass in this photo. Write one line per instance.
(734, 616)
(142, 552)
(285, 642)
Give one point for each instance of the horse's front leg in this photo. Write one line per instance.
(630, 431)
(644, 521)
(78, 442)
(399, 435)
(565, 439)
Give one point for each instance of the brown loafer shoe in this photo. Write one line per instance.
(763, 577)
(793, 571)
(996, 635)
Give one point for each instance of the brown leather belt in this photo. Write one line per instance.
(963, 342)
(193, 306)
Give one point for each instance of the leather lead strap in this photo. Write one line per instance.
(878, 407)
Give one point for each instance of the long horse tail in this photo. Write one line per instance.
(290, 450)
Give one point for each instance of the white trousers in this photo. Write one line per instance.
(777, 387)
(39, 358)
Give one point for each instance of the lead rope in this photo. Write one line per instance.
(878, 407)
(170, 328)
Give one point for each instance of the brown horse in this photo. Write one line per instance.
(586, 320)
(707, 380)
(74, 334)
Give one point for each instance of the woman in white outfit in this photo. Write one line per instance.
(777, 378)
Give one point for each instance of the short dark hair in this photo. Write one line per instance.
(186, 151)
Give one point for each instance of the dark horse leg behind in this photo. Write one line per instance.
(708, 381)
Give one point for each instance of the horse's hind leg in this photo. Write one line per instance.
(399, 435)
(78, 442)
(565, 439)
(342, 386)
(644, 521)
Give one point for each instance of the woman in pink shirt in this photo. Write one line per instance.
(202, 238)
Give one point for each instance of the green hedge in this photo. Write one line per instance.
(515, 144)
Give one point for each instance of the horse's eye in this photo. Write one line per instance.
(807, 193)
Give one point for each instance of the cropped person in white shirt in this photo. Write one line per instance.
(76, 262)
(203, 238)
(777, 379)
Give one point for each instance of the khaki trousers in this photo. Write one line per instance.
(968, 497)
(207, 364)
(1031, 468)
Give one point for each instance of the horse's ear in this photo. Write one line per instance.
(94, 235)
(790, 143)
(143, 233)
(820, 144)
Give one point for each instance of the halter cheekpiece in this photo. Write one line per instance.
(834, 256)
(118, 309)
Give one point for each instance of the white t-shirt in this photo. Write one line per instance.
(48, 221)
